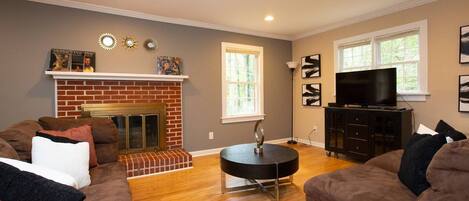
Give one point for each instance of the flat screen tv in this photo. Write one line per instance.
(367, 88)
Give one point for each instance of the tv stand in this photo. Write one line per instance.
(363, 133)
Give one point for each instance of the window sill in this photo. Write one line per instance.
(412, 97)
(243, 118)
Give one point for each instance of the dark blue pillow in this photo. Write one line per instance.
(418, 154)
(58, 139)
(449, 131)
(17, 185)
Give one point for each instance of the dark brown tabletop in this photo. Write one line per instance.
(275, 162)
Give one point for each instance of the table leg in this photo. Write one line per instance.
(277, 193)
(223, 182)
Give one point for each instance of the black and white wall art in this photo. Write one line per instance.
(464, 93)
(464, 45)
(311, 66)
(311, 95)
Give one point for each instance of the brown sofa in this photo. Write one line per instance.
(108, 180)
(448, 174)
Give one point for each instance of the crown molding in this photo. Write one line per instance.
(194, 23)
(365, 17)
(157, 18)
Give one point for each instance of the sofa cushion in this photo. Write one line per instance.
(448, 173)
(108, 172)
(105, 134)
(415, 161)
(72, 159)
(362, 182)
(114, 190)
(20, 136)
(390, 161)
(6, 151)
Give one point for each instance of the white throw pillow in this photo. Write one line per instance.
(47, 173)
(425, 130)
(69, 158)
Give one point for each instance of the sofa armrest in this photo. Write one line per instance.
(390, 161)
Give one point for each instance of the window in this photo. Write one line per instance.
(242, 83)
(403, 48)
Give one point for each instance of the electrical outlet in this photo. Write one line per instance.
(210, 135)
(315, 129)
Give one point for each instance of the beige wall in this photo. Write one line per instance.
(29, 30)
(444, 19)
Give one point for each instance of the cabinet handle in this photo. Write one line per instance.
(357, 148)
(356, 133)
(356, 118)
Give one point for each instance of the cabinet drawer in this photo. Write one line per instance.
(357, 117)
(361, 147)
(358, 131)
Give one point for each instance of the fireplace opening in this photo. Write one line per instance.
(142, 127)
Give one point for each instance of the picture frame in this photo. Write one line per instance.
(167, 65)
(464, 45)
(72, 60)
(463, 97)
(60, 60)
(311, 95)
(311, 66)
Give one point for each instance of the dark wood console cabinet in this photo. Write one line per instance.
(363, 133)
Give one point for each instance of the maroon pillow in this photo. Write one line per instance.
(82, 134)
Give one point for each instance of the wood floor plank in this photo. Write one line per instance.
(202, 182)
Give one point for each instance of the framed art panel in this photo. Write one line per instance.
(463, 93)
(311, 95)
(311, 66)
(464, 45)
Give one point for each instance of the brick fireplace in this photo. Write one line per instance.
(76, 89)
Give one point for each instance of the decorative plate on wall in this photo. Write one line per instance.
(107, 41)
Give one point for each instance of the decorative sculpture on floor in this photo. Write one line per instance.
(259, 134)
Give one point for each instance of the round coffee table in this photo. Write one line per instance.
(274, 163)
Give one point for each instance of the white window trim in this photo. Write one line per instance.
(422, 26)
(260, 103)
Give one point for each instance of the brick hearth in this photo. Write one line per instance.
(154, 162)
(71, 94)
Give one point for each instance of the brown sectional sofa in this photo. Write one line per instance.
(377, 180)
(108, 180)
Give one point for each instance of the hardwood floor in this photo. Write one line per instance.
(203, 181)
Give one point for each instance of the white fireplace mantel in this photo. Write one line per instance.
(59, 75)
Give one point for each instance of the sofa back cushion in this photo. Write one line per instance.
(20, 136)
(6, 151)
(448, 173)
(105, 134)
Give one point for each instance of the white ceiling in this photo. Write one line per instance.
(293, 18)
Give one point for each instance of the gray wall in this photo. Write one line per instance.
(29, 30)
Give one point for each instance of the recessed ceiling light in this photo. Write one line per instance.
(269, 18)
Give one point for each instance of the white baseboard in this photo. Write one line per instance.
(312, 143)
(217, 150)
